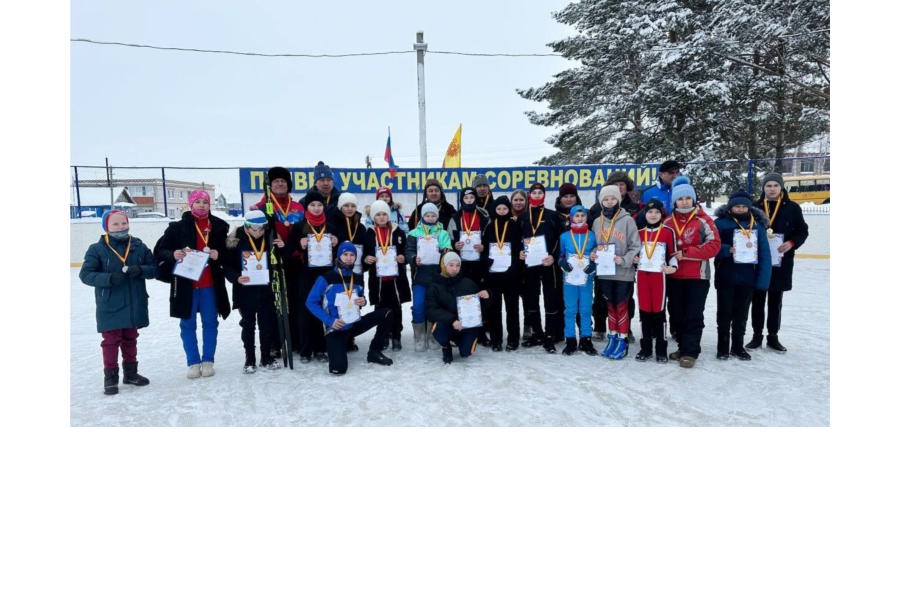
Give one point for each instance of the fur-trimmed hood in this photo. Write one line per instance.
(760, 216)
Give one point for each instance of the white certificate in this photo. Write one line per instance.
(535, 250)
(319, 251)
(745, 249)
(192, 265)
(576, 276)
(469, 310)
(348, 310)
(775, 240)
(256, 270)
(357, 266)
(655, 263)
(502, 258)
(469, 240)
(427, 250)
(386, 264)
(606, 260)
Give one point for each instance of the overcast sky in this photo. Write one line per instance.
(155, 107)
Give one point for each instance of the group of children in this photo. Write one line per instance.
(465, 266)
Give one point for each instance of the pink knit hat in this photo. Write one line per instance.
(196, 195)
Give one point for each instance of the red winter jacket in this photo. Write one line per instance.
(698, 240)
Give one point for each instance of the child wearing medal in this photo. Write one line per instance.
(697, 241)
(432, 234)
(198, 230)
(444, 308)
(247, 268)
(617, 239)
(470, 220)
(383, 255)
(655, 261)
(743, 265)
(336, 299)
(575, 247)
(316, 239)
(117, 267)
(502, 274)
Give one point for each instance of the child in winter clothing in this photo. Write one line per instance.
(335, 299)
(200, 231)
(386, 240)
(428, 229)
(539, 222)
(313, 231)
(651, 283)
(442, 308)
(615, 228)
(385, 195)
(697, 241)
(502, 274)
(117, 267)
(256, 303)
(470, 220)
(738, 274)
(578, 285)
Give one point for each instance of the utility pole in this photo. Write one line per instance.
(112, 203)
(420, 47)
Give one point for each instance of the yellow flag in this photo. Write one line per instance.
(453, 158)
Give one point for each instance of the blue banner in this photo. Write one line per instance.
(501, 179)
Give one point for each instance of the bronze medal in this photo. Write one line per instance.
(749, 244)
(258, 267)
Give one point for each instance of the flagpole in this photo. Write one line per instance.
(420, 47)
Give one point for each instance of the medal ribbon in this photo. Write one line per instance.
(777, 208)
(652, 249)
(534, 228)
(468, 226)
(747, 231)
(678, 229)
(386, 244)
(318, 234)
(283, 211)
(579, 253)
(608, 232)
(205, 238)
(127, 249)
(262, 248)
(352, 234)
(348, 289)
(501, 239)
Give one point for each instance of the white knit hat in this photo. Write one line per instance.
(347, 198)
(610, 190)
(379, 206)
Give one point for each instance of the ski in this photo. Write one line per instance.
(279, 287)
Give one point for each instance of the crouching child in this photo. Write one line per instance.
(336, 299)
(453, 304)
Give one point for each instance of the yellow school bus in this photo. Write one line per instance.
(809, 188)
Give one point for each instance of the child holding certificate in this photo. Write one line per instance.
(617, 245)
(247, 268)
(575, 247)
(117, 267)
(466, 231)
(502, 273)
(197, 233)
(743, 264)
(454, 306)
(655, 261)
(540, 228)
(336, 299)
(316, 239)
(384, 245)
(696, 242)
(424, 246)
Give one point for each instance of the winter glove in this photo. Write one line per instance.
(591, 267)
(133, 271)
(565, 266)
(116, 277)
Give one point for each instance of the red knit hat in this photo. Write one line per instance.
(384, 190)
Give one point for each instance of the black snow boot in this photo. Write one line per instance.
(722, 345)
(586, 346)
(395, 343)
(755, 341)
(549, 344)
(131, 376)
(376, 356)
(737, 347)
(571, 347)
(111, 381)
(662, 348)
(447, 352)
(646, 350)
(773, 343)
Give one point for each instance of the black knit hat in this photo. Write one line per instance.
(504, 200)
(537, 185)
(313, 196)
(669, 165)
(739, 197)
(657, 205)
(776, 177)
(280, 173)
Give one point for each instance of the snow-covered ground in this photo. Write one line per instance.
(523, 388)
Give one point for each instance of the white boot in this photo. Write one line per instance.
(206, 369)
(419, 336)
(428, 327)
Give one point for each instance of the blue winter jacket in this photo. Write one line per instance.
(661, 192)
(729, 273)
(320, 300)
(567, 249)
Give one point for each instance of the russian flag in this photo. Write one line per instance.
(389, 157)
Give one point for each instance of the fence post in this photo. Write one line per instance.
(77, 193)
(165, 196)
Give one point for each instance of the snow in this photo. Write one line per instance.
(523, 388)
